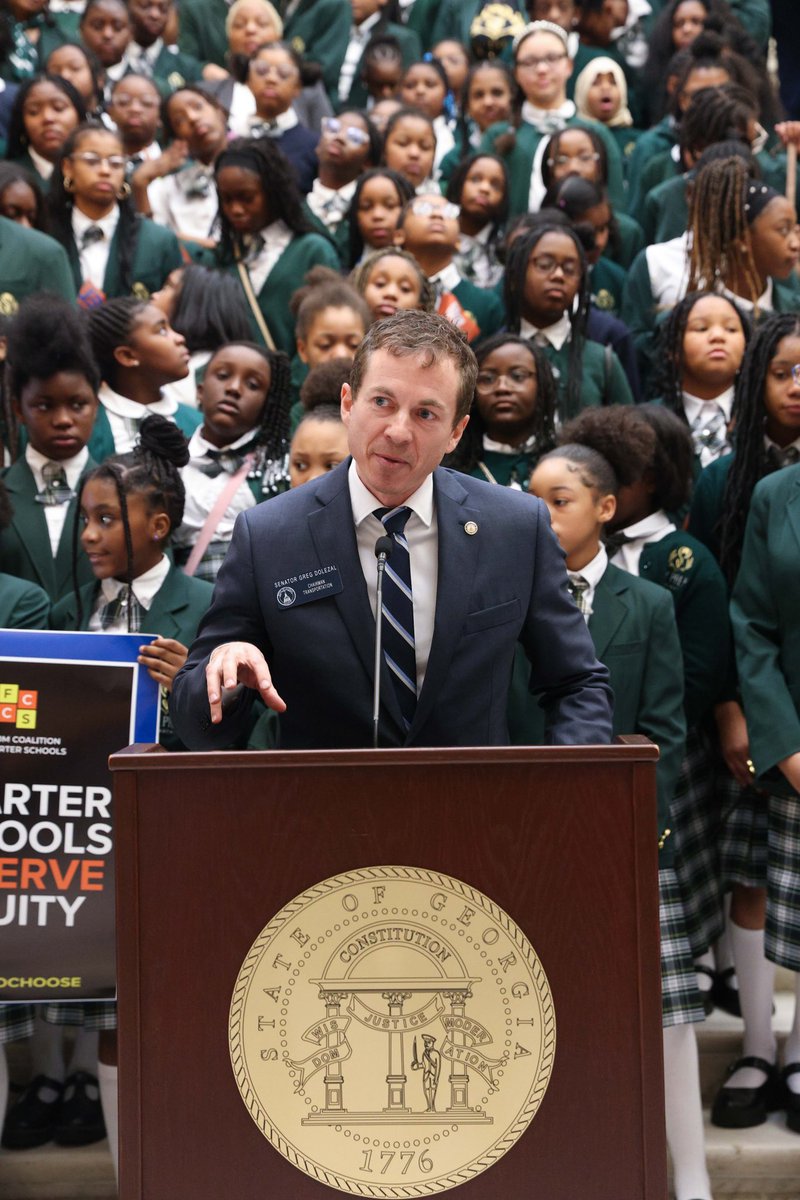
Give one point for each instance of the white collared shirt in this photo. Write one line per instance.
(697, 410)
(56, 514)
(279, 124)
(277, 237)
(592, 573)
(445, 140)
(330, 205)
(171, 204)
(359, 36)
(448, 277)
(557, 334)
(668, 268)
(651, 529)
(145, 589)
(548, 120)
(125, 416)
(422, 534)
(43, 166)
(94, 258)
(203, 491)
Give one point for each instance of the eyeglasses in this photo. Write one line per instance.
(547, 265)
(563, 160)
(124, 101)
(117, 162)
(796, 373)
(283, 71)
(352, 133)
(426, 208)
(517, 375)
(544, 60)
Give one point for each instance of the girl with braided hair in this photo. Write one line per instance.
(138, 353)
(547, 300)
(239, 455)
(112, 250)
(742, 240)
(129, 506)
(757, 847)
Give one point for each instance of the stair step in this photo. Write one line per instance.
(719, 1040)
(754, 1164)
(58, 1173)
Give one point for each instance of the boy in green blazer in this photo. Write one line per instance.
(30, 262)
(368, 21)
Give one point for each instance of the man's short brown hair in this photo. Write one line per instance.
(428, 336)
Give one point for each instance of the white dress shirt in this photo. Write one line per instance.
(203, 491)
(668, 268)
(94, 257)
(359, 36)
(330, 205)
(276, 238)
(592, 573)
(556, 334)
(281, 123)
(651, 529)
(43, 165)
(697, 409)
(422, 535)
(176, 200)
(145, 589)
(125, 416)
(56, 514)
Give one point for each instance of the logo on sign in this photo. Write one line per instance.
(18, 706)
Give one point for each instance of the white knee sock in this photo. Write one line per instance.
(84, 1053)
(756, 976)
(3, 1083)
(723, 950)
(107, 1077)
(47, 1054)
(704, 980)
(684, 1111)
(791, 1052)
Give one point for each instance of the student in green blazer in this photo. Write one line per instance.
(32, 37)
(169, 66)
(46, 110)
(113, 251)
(319, 29)
(23, 605)
(633, 626)
(368, 21)
(53, 381)
(31, 262)
(265, 238)
(202, 30)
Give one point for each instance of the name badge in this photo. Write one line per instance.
(306, 586)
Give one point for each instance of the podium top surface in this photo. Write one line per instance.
(630, 749)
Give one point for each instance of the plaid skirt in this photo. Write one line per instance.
(694, 816)
(91, 1015)
(760, 847)
(16, 1021)
(681, 1003)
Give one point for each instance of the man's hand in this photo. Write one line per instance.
(234, 663)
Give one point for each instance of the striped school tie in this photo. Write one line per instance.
(398, 613)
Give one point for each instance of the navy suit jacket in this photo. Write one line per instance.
(504, 583)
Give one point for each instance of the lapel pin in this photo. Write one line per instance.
(470, 527)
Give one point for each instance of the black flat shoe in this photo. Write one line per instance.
(725, 996)
(32, 1120)
(706, 994)
(80, 1119)
(791, 1100)
(741, 1108)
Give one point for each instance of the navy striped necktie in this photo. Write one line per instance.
(397, 611)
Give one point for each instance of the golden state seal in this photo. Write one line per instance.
(392, 1032)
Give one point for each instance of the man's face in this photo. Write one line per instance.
(402, 423)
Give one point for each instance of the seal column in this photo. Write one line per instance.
(459, 1079)
(334, 1100)
(396, 1078)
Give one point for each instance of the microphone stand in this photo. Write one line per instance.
(383, 548)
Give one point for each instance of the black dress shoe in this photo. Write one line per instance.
(706, 994)
(791, 1100)
(725, 996)
(32, 1120)
(741, 1108)
(80, 1119)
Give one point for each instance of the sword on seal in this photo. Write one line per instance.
(415, 1063)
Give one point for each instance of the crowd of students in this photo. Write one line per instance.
(202, 210)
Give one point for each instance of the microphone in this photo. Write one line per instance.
(383, 548)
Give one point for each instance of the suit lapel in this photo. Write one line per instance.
(334, 537)
(63, 559)
(793, 506)
(30, 523)
(458, 560)
(163, 616)
(608, 610)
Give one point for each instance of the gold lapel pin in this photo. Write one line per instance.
(470, 527)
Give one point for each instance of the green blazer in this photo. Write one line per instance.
(320, 29)
(507, 469)
(422, 19)
(25, 160)
(604, 381)
(23, 605)
(157, 253)
(176, 611)
(202, 33)
(173, 68)
(101, 443)
(607, 279)
(765, 611)
(520, 158)
(707, 505)
(31, 262)
(665, 211)
(635, 635)
(25, 549)
(687, 569)
(483, 304)
(305, 251)
(411, 51)
(654, 141)
(626, 138)
(454, 18)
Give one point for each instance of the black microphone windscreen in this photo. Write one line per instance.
(383, 546)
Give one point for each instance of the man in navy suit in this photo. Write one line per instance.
(476, 567)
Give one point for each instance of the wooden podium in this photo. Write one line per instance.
(211, 846)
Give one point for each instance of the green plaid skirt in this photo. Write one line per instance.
(695, 825)
(681, 1003)
(16, 1021)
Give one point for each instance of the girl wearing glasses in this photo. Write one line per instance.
(348, 145)
(542, 67)
(274, 76)
(112, 250)
(46, 110)
(547, 299)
